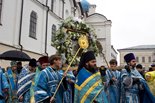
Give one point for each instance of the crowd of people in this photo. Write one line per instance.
(38, 82)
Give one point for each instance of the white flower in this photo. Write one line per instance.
(77, 19)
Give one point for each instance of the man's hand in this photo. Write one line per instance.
(114, 79)
(70, 81)
(52, 100)
(6, 93)
(65, 74)
(21, 98)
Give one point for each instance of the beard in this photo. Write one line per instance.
(57, 67)
(90, 68)
(134, 65)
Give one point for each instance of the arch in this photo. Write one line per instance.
(33, 24)
(53, 32)
(102, 16)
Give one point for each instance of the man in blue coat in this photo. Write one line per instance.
(89, 87)
(48, 81)
(133, 86)
(4, 87)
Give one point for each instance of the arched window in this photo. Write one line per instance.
(149, 59)
(53, 32)
(0, 10)
(137, 59)
(33, 24)
(143, 59)
(52, 5)
(67, 13)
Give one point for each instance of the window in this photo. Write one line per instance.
(149, 59)
(53, 32)
(0, 10)
(33, 24)
(137, 59)
(143, 59)
(52, 5)
(67, 13)
(124, 61)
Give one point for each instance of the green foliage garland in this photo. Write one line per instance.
(66, 38)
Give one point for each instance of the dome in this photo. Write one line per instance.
(85, 5)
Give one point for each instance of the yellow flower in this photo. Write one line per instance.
(83, 42)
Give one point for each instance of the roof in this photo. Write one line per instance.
(85, 5)
(98, 14)
(139, 47)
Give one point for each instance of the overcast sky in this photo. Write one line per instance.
(133, 21)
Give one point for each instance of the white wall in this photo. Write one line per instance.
(108, 40)
(103, 30)
(92, 9)
(9, 30)
(29, 43)
(56, 21)
(68, 8)
(11, 19)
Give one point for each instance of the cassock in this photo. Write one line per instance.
(89, 88)
(112, 87)
(25, 84)
(3, 85)
(48, 81)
